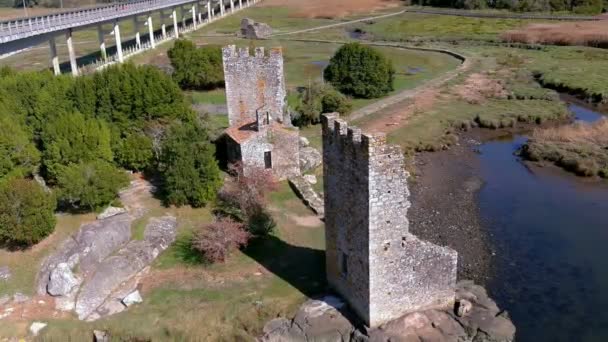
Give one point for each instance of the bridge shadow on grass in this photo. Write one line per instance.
(301, 267)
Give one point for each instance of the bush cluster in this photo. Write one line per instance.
(316, 100)
(360, 71)
(79, 134)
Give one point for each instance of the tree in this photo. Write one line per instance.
(72, 138)
(218, 239)
(26, 212)
(196, 68)
(19, 155)
(90, 185)
(319, 99)
(188, 167)
(361, 71)
(135, 152)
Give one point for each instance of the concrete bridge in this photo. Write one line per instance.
(187, 15)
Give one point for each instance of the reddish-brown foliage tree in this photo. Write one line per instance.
(218, 239)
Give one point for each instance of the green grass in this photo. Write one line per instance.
(411, 26)
(217, 96)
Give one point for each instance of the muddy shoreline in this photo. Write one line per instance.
(444, 209)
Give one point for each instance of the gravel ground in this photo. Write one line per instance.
(444, 210)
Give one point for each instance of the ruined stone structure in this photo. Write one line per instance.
(252, 30)
(372, 260)
(260, 135)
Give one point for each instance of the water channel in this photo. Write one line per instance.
(550, 231)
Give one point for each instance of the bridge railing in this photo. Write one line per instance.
(27, 27)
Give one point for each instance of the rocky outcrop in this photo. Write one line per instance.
(123, 265)
(5, 273)
(88, 247)
(107, 262)
(252, 30)
(328, 319)
(62, 281)
(304, 190)
(111, 211)
(310, 158)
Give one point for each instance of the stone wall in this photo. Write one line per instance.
(387, 271)
(253, 82)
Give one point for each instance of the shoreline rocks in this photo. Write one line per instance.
(329, 319)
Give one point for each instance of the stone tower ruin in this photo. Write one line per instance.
(253, 82)
(372, 260)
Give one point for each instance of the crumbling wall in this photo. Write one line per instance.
(389, 272)
(253, 82)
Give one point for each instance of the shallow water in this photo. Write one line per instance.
(550, 231)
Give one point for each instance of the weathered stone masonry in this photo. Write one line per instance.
(253, 82)
(260, 135)
(372, 260)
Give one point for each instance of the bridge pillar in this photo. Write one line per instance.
(54, 58)
(151, 31)
(209, 11)
(222, 8)
(136, 31)
(118, 42)
(163, 27)
(181, 11)
(247, 3)
(102, 42)
(193, 10)
(231, 6)
(71, 52)
(175, 29)
(240, 4)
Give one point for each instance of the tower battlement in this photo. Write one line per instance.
(253, 81)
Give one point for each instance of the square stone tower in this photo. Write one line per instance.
(372, 260)
(253, 82)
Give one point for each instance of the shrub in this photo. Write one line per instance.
(135, 152)
(245, 200)
(26, 212)
(19, 154)
(218, 239)
(196, 68)
(91, 185)
(188, 167)
(360, 71)
(319, 99)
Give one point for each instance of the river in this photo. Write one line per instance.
(550, 232)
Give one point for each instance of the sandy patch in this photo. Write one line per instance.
(306, 221)
(479, 87)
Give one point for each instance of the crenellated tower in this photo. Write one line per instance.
(254, 82)
(372, 260)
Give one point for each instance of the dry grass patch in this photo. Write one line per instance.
(589, 33)
(581, 148)
(331, 8)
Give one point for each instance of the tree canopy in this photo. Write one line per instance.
(360, 71)
(196, 68)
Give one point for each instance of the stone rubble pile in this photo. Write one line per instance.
(475, 318)
(252, 30)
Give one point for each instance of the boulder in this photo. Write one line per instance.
(62, 281)
(304, 142)
(101, 336)
(111, 211)
(312, 179)
(20, 298)
(252, 30)
(36, 327)
(310, 158)
(5, 273)
(67, 302)
(132, 299)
